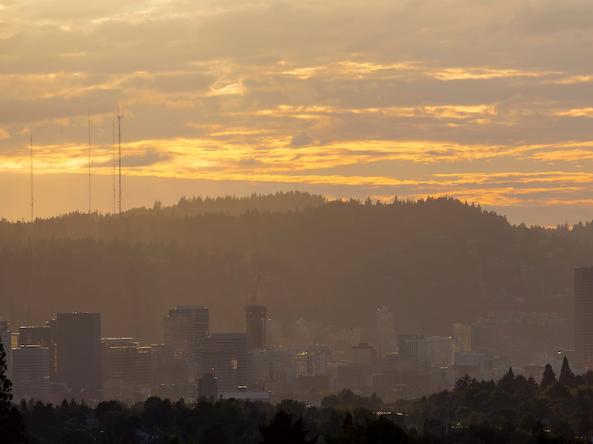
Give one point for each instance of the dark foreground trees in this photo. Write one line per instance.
(284, 429)
(514, 409)
(11, 424)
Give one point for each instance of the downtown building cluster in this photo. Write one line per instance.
(68, 357)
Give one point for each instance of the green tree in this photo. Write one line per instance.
(12, 429)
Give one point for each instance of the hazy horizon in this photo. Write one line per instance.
(143, 192)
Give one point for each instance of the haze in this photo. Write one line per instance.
(485, 101)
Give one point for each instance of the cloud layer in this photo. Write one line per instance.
(489, 101)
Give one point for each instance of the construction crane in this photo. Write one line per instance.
(256, 287)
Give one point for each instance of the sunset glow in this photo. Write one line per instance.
(345, 99)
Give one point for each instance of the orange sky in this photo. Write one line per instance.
(488, 101)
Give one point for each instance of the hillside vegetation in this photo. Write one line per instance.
(431, 261)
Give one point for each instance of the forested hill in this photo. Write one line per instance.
(432, 262)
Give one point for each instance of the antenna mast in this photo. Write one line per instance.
(119, 118)
(90, 162)
(32, 190)
(113, 160)
(256, 287)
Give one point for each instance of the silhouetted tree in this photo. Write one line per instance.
(548, 377)
(12, 429)
(508, 381)
(567, 377)
(283, 430)
(369, 431)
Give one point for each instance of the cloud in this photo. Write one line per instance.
(376, 94)
(301, 139)
(150, 157)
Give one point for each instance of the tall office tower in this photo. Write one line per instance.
(127, 368)
(185, 329)
(407, 345)
(6, 339)
(31, 368)
(273, 369)
(583, 315)
(435, 351)
(462, 338)
(225, 356)
(35, 335)
(255, 323)
(42, 335)
(386, 338)
(78, 352)
(313, 362)
(363, 355)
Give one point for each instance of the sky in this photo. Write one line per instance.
(489, 101)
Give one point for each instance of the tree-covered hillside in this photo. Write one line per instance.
(432, 262)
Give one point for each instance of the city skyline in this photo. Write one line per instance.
(256, 96)
(300, 221)
(44, 360)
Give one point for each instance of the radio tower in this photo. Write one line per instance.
(113, 160)
(119, 118)
(90, 163)
(32, 190)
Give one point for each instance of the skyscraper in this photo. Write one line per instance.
(42, 335)
(462, 337)
(185, 329)
(435, 351)
(255, 323)
(78, 351)
(583, 300)
(35, 335)
(225, 356)
(31, 369)
(386, 338)
(127, 368)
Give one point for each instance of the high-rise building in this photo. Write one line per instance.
(363, 355)
(31, 369)
(6, 339)
(185, 329)
(313, 362)
(78, 352)
(127, 368)
(224, 355)
(35, 335)
(583, 299)
(435, 351)
(462, 338)
(407, 345)
(42, 335)
(255, 322)
(386, 338)
(273, 369)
